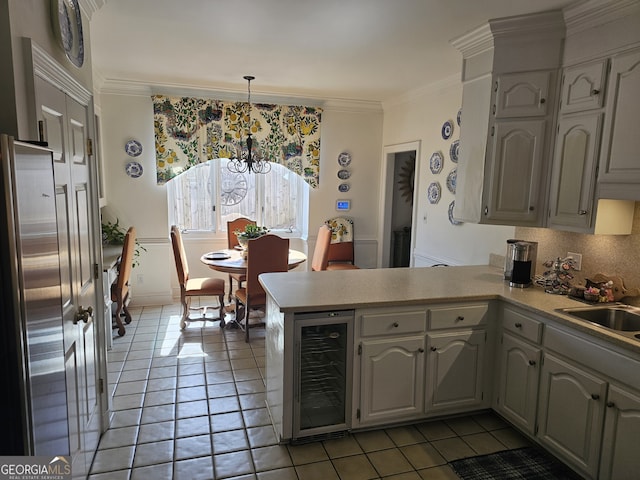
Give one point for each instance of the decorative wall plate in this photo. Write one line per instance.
(447, 129)
(344, 187)
(451, 180)
(433, 192)
(67, 23)
(133, 148)
(344, 174)
(435, 162)
(134, 169)
(452, 220)
(344, 159)
(454, 151)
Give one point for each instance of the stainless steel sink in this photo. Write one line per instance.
(618, 317)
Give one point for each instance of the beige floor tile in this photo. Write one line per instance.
(389, 462)
(490, 421)
(342, 447)
(223, 422)
(250, 386)
(252, 400)
(154, 432)
(374, 440)
(119, 437)
(224, 405)
(317, 471)
(221, 390)
(444, 472)
(158, 413)
(232, 464)
(256, 418)
(186, 427)
(435, 430)
(464, 425)
(484, 443)
(356, 467)
(404, 476)
(269, 458)
(193, 469)
(510, 438)
(160, 397)
(190, 394)
(111, 459)
(307, 453)
(453, 448)
(153, 453)
(230, 441)
(261, 436)
(278, 474)
(407, 435)
(192, 447)
(163, 470)
(422, 455)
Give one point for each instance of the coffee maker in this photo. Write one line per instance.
(520, 262)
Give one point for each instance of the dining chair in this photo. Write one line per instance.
(232, 241)
(120, 288)
(341, 251)
(268, 253)
(193, 287)
(321, 250)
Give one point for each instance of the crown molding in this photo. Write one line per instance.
(597, 12)
(89, 7)
(434, 87)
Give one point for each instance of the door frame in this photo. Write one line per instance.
(386, 199)
(48, 69)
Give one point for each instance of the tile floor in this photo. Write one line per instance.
(190, 405)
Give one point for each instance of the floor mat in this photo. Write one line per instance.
(527, 463)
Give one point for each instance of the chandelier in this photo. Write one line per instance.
(249, 158)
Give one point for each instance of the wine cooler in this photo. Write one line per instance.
(323, 374)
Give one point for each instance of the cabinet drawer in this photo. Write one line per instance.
(458, 316)
(521, 325)
(393, 323)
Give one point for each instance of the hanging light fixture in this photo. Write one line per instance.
(249, 158)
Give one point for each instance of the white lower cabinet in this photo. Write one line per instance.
(620, 458)
(455, 370)
(392, 379)
(517, 397)
(571, 413)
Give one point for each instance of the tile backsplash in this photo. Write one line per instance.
(606, 254)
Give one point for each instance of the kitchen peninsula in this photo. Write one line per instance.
(430, 342)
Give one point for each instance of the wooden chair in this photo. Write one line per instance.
(321, 250)
(120, 288)
(193, 287)
(268, 253)
(232, 242)
(341, 252)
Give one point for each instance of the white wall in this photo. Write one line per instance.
(419, 117)
(142, 203)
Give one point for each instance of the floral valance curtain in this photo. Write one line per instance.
(189, 131)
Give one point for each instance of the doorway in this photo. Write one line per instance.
(399, 171)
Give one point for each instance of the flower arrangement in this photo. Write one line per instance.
(249, 232)
(113, 234)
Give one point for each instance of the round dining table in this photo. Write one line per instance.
(231, 260)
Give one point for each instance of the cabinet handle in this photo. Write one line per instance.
(421, 350)
(518, 325)
(531, 208)
(459, 318)
(396, 324)
(542, 101)
(595, 396)
(582, 212)
(486, 210)
(611, 404)
(532, 362)
(595, 91)
(494, 109)
(433, 349)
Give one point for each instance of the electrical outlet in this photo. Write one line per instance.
(577, 260)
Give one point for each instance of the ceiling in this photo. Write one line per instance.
(355, 50)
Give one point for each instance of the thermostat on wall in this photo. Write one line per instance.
(343, 205)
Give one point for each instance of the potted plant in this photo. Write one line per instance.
(249, 232)
(113, 234)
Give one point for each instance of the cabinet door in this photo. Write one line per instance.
(514, 172)
(518, 382)
(391, 379)
(573, 180)
(621, 142)
(523, 94)
(620, 459)
(571, 413)
(455, 366)
(583, 87)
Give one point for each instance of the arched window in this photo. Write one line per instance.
(207, 196)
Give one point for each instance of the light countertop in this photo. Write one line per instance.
(366, 288)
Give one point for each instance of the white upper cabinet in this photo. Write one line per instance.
(583, 87)
(509, 99)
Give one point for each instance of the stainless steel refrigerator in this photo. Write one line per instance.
(34, 401)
